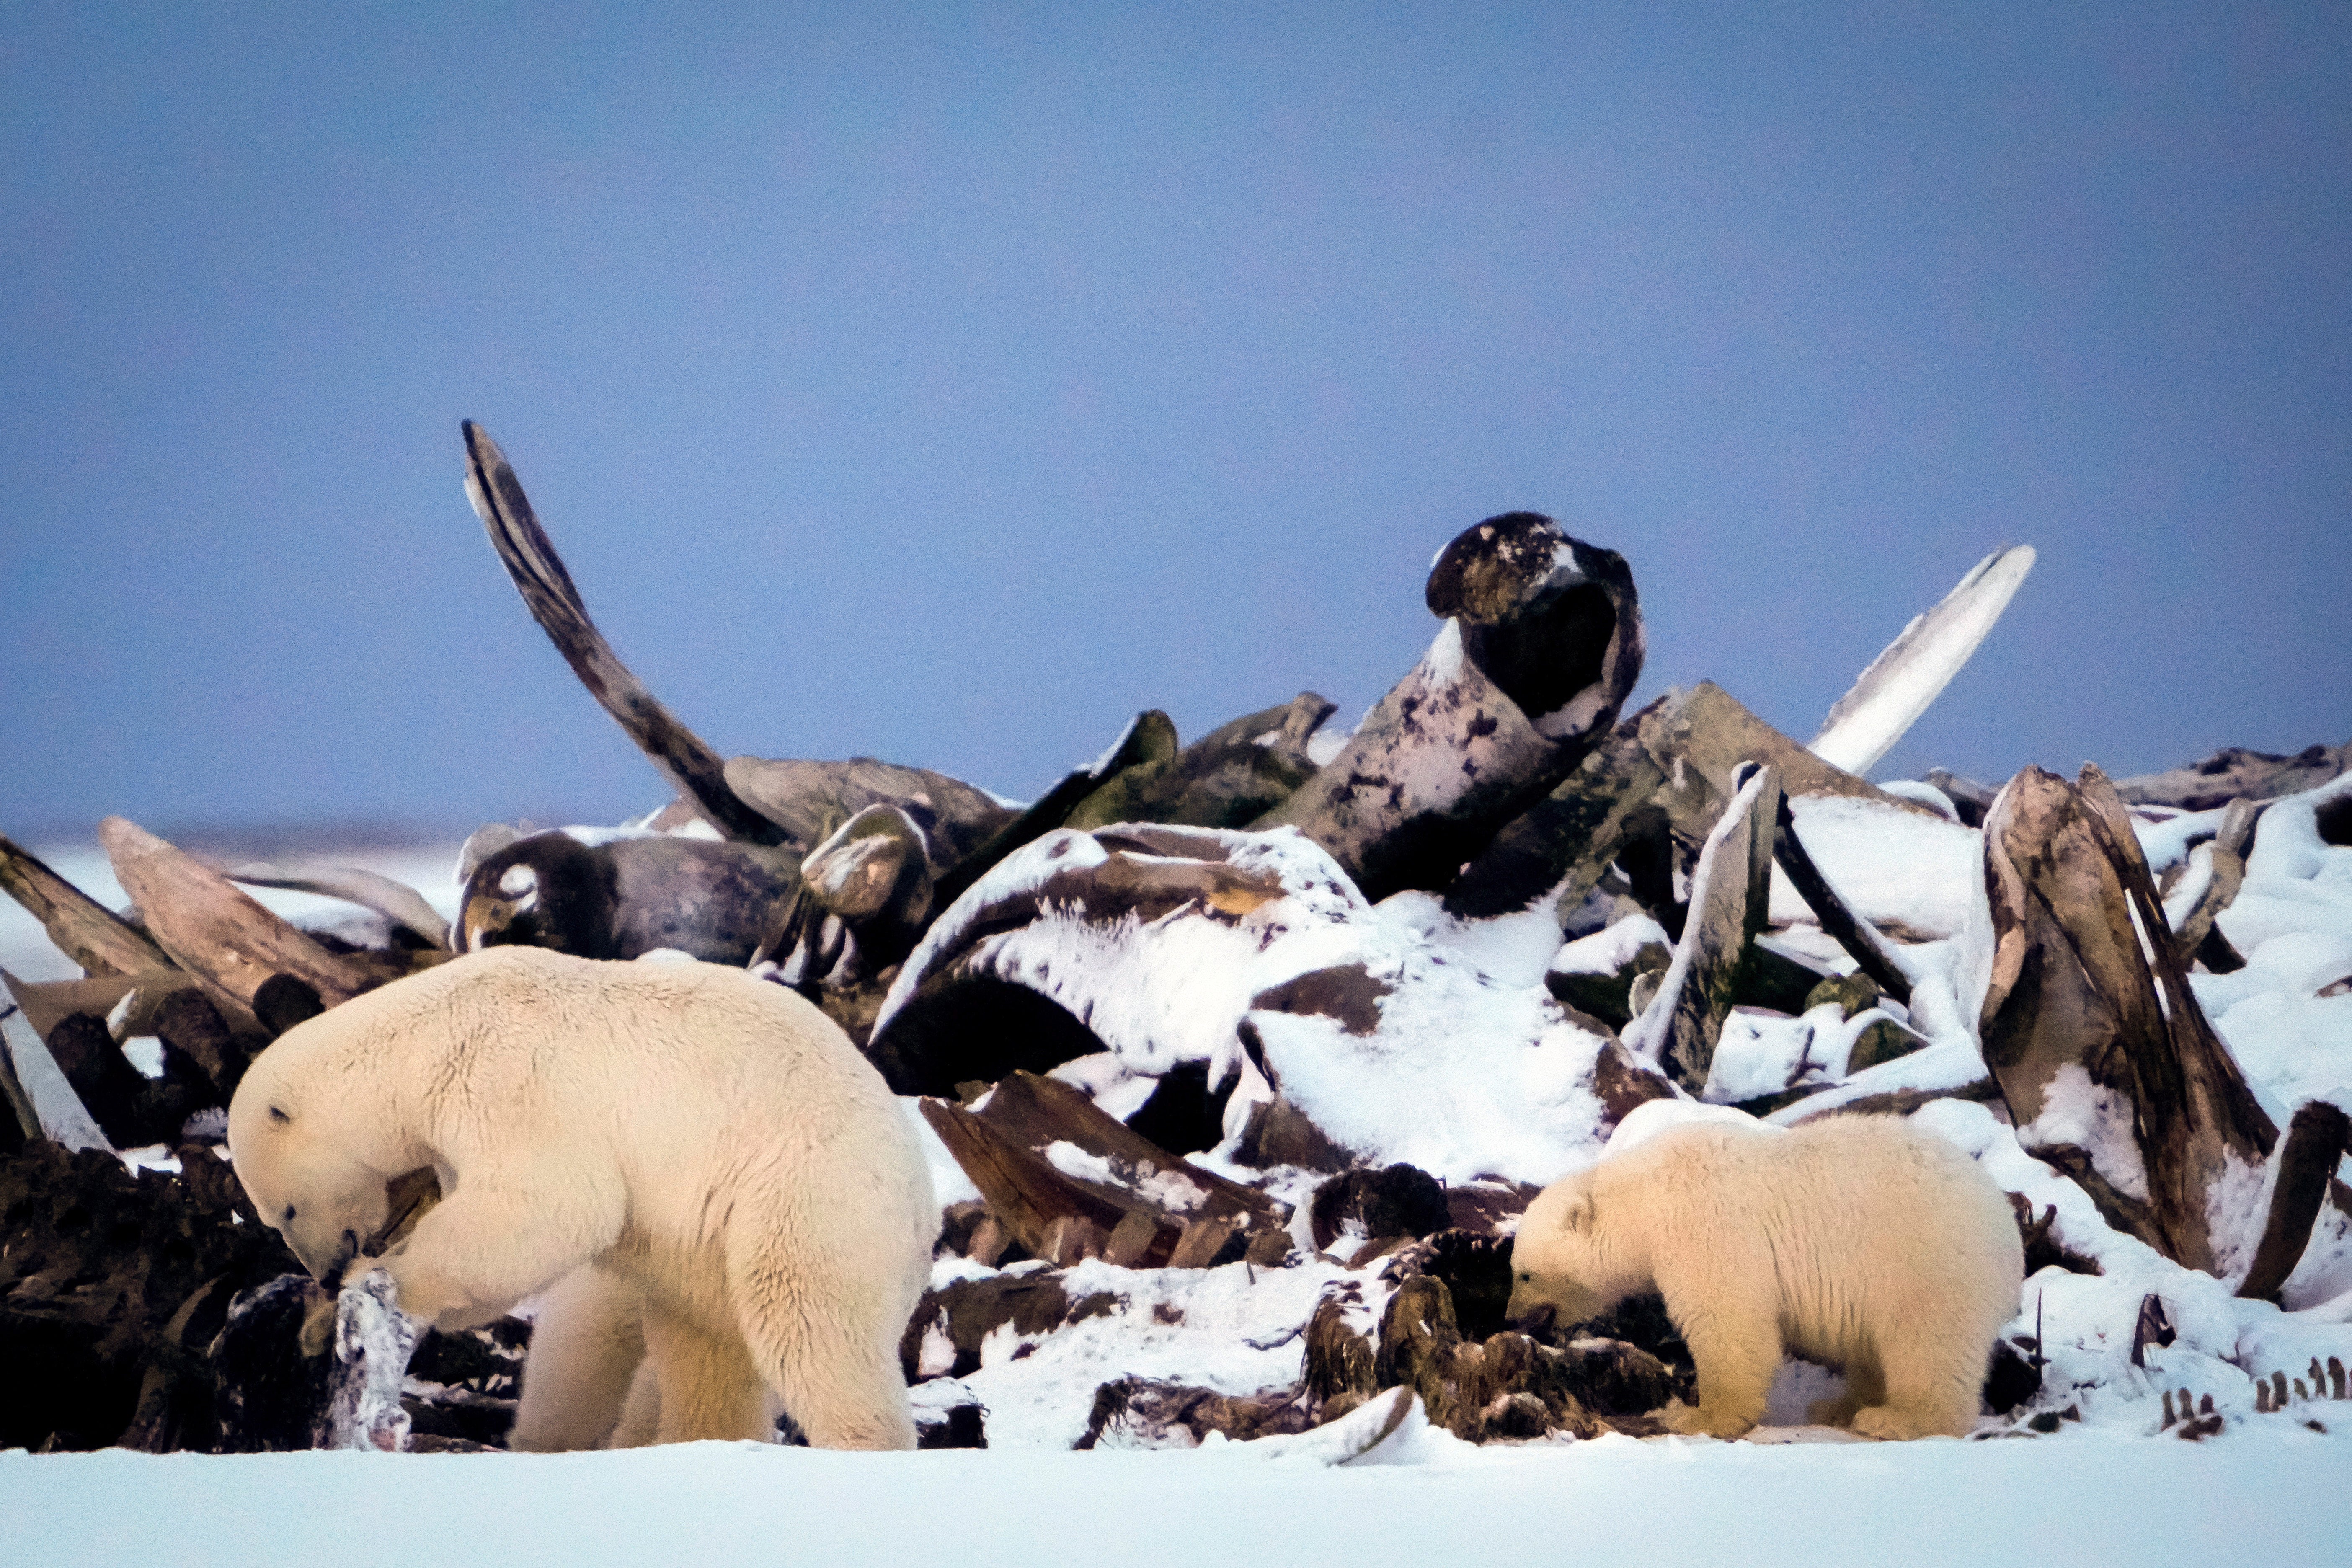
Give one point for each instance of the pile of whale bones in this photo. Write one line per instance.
(1325, 1008)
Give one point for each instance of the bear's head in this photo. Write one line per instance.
(1564, 1259)
(296, 1163)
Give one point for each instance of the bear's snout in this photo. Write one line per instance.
(1535, 1321)
(345, 1250)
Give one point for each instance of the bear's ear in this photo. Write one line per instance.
(278, 1115)
(1579, 1215)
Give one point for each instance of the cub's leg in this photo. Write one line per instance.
(1735, 1342)
(584, 1349)
(1862, 1386)
(1930, 1392)
(705, 1384)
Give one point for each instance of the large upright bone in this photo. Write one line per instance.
(1889, 695)
(1542, 644)
(529, 558)
(2108, 1065)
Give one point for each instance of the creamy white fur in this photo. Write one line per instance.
(1858, 1242)
(718, 1192)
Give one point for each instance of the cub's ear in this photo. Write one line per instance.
(278, 1115)
(1579, 1214)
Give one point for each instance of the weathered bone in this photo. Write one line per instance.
(396, 902)
(1235, 773)
(217, 931)
(1901, 682)
(529, 558)
(2090, 1022)
(626, 895)
(1541, 644)
(86, 931)
(809, 800)
(2232, 774)
(1729, 891)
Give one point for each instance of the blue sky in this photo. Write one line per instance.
(946, 384)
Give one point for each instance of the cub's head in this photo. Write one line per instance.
(1561, 1258)
(291, 1154)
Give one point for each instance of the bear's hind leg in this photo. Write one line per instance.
(640, 1421)
(584, 1349)
(703, 1384)
(837, 1373)
(1922, 1396)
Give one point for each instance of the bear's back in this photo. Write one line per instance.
(1873, 1193)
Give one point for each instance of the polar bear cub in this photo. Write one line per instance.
(1856, 1241)
(729, 1212)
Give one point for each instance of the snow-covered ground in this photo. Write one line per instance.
(2087, 1496)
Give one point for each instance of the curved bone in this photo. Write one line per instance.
(395, 902)
(529, 558)
(1915, 668)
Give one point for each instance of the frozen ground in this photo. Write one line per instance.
(2084, 1498)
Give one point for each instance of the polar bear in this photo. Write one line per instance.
(729, 1212)
(1856, 1241)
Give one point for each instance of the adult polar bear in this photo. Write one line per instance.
(730, 1210)
(1858, 1241)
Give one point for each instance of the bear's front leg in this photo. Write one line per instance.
(491, 1243)
(1736, 1348)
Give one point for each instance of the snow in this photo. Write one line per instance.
(1468, 1073)
(1920, 793)
(1225, 1328)
(2086, 1496)
(949, 1183)
(1893, 867)
(2292, 921)
(1611, 948)
(2168, 834)
(2095, 1118)
(1759, 1053)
